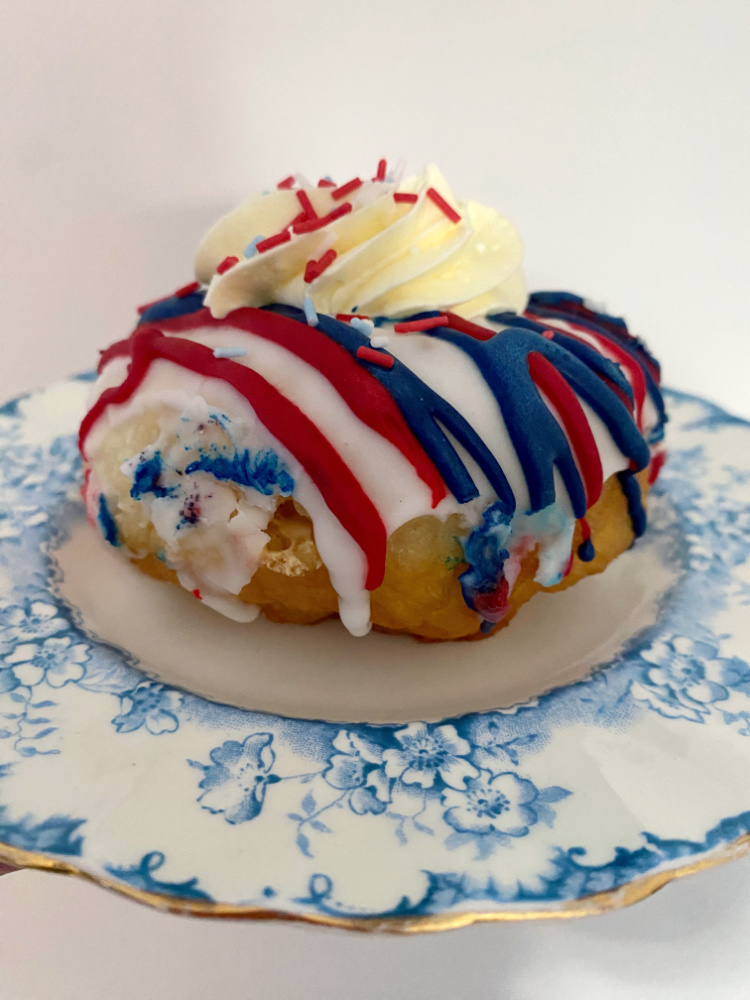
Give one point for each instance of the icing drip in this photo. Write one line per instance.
(586, 550)
(632, 490)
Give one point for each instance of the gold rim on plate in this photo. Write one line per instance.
(598, 903)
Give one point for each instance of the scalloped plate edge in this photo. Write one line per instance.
(587, 906)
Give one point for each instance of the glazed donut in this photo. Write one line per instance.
(364, 414)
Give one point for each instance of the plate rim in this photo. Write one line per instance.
(596, 904)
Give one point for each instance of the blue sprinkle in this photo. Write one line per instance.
(252, 248)
(365, 326)
(230, 352)
(486, 627)
(586, 551)
(107, 522)
(310, 315)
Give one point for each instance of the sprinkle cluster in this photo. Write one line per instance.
(307, 220)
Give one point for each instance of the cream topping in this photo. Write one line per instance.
(393, 258)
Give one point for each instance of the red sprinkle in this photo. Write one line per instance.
(307, 209)
(316, 267)
(474, 330)
(443, 205)
(287, 183)
(325, 183)
(312, 224)
(548, 334)
(273, 241)
(197, 593)
(376, 357)
(380, 175)
(403, 196)
(421, 324)
(345, 189)
(296, 220)
(348, 317)
(227, 263)
(585, 529)
(187, 289)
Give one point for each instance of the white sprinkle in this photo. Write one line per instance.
(302, 181)
(310, 315)
(365, 326)
(230, 352)
(252, 248)
(380, 341)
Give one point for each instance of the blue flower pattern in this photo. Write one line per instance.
(428, 767)
(472, 784)
(150, 705)
(234, 783)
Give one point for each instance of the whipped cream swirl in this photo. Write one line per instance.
(392, 256)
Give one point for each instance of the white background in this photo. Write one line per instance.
(614, 134)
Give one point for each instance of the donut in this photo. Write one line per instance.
(357, 410)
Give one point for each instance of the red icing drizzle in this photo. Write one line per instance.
(298, 434)
(362, 393)
(628, 363)
(657, 463)
(547, 378)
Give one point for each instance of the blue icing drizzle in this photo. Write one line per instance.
(173, 306)
(586, 551)
(107, 522)
(263, 473)
(426, 413)
(147, 478)
(552, 306)
(632, 490)
(537, 437)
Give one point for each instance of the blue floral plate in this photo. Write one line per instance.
(506, 800)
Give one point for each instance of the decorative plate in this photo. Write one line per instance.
(504, 802)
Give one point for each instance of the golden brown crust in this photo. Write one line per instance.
(420, 594)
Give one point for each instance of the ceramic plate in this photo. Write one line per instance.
(595, 749)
